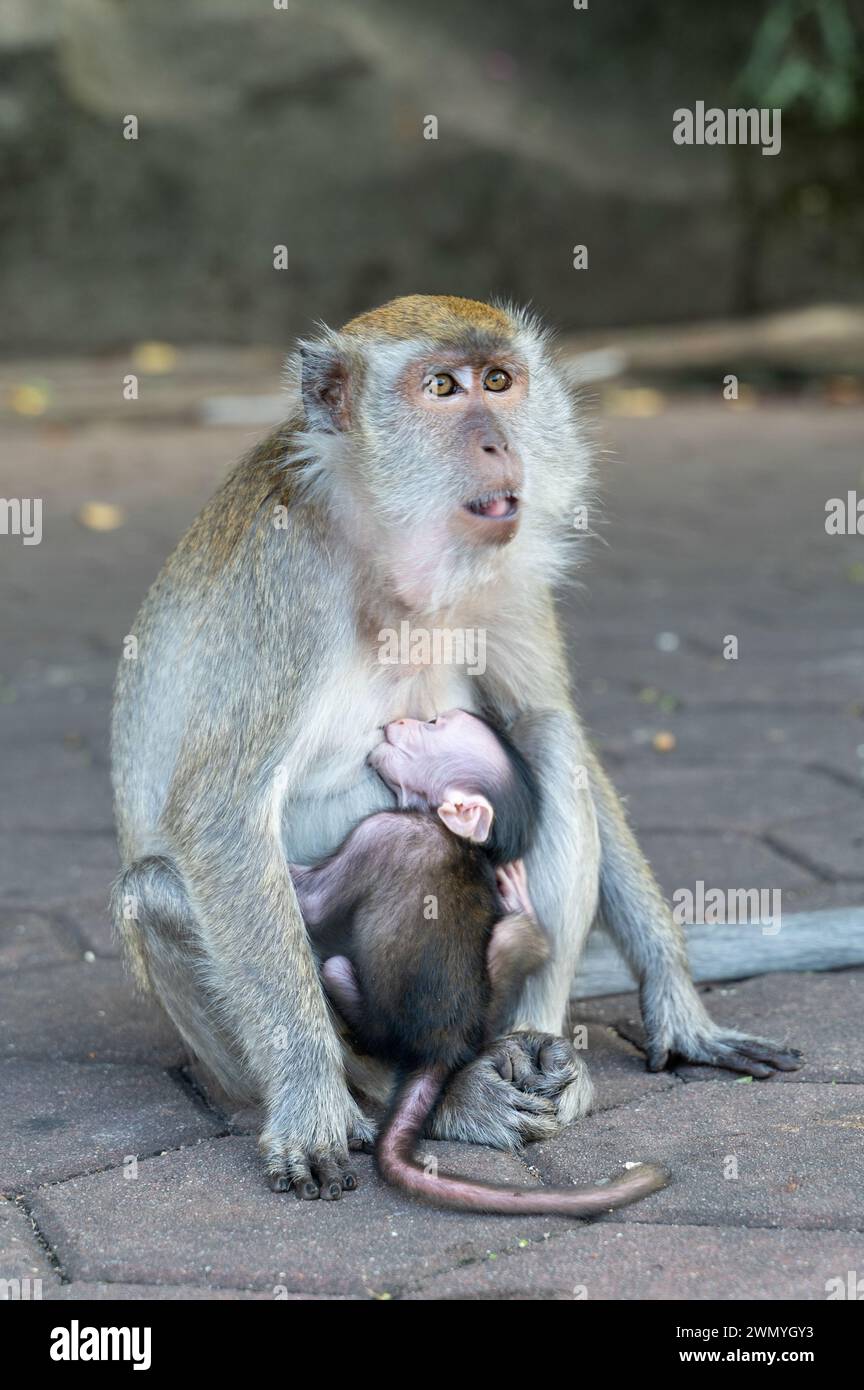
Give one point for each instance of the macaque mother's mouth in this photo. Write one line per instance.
(494, 506)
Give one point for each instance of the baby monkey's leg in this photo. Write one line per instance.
(340, 982)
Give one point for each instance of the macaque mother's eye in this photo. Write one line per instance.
(496, 379)
(442, 384)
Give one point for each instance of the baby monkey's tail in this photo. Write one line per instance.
(394, 1153)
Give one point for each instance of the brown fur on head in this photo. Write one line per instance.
(442, 316)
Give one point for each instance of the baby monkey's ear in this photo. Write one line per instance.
(467, 814)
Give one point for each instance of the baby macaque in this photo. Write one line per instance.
(425, 924)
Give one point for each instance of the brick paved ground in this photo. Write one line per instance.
(715, 526)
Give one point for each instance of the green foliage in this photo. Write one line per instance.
(806, 54)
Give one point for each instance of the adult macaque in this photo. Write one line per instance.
(427, 915)
(429, 475)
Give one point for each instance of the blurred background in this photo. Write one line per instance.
(303, 126)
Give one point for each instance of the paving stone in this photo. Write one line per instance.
(608, 1260)
(185, 1293)
(64, 708)
(798, 1149)
(822, 895)
(701, 620)
(720, 859)
(612, 1011)
(84, 1012)
(834, 844)
(43, 869)
(205, 1216)
(88, 923)
(21, 1254)
(699, 679)
(624, 729)
(28, 939)
(617, 1068)
(737, 798)
(62, 1118)
(815, 1011)
(54, 785)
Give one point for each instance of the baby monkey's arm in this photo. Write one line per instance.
(518, 947)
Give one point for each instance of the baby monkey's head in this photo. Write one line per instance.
(469, 773)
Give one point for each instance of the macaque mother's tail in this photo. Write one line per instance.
(394, 1154)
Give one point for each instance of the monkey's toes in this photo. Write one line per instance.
(541, 1062)
(756, 1057)
(312, 1177)
(760, 1057)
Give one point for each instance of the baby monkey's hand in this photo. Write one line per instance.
(513, 887)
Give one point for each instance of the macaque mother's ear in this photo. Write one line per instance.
(325, 380)
(467, 814)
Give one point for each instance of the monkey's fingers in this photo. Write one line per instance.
(537, 1116)
(508, 889)
(534, 1118)
(321, 1174)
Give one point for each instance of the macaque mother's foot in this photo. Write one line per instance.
(527, 1086)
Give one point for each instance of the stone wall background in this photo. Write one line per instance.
(303, 126)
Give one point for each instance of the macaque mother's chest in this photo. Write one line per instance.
(329, 787)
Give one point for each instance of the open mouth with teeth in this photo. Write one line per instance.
(494, 506)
